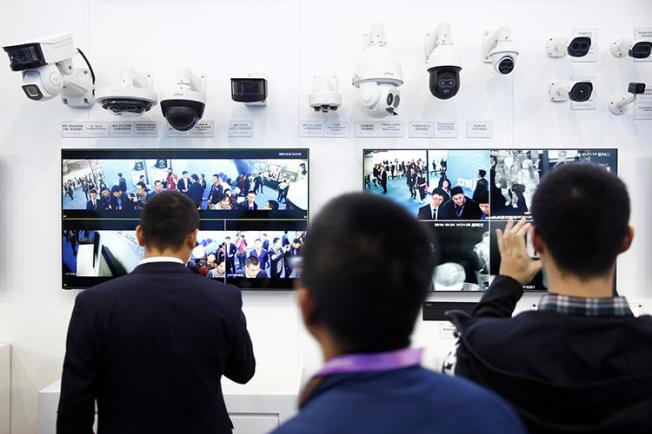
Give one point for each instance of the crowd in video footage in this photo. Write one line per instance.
(432, 184)
(248, 254)
(126, 185)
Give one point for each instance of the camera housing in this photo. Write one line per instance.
(618, 105)
(634, 48)
(578, 91)
(47, 69)
(184, 107)
(250, 89)
(499, 50)
(578, 46)
(325, 94)
(443, 63)
(378, 75)
(133, 97)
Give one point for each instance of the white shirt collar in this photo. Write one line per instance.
(153, 259)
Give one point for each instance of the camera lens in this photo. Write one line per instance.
(641, 50)
(390, 99)
(506, 65)
(32, 91)
(397, 100)
(581, 91)
(579, 47)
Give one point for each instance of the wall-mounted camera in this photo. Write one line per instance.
(325, 94)
(635, 48)
(498, 49)
(574, 47)
(378, 75)
(48, 71)
(443, 62)
(184, 107)
(619, 104)
(250, 89)
(578, 91)
(134, 96)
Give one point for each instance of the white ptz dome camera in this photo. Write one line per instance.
(443, 62)
(635, 48)
(184, 107)
(133, 97)
(48, 71)
(378, 75)
(325, 94)
(499, 50)
(578, 46)
(578, 91)
(619, 104)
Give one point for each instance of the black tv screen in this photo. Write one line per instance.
(253, 205)
(464, 195)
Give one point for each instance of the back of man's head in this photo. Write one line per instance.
(368, 266)
(581, 212)
(167, 219)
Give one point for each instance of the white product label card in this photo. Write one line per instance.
(592, 55)
(643, 33)
(445, 129)
(121, 129)
(202, 129)
(423, 129)
(479, 129)
(241, 128)
(72, 129)
(379, 129)
(145, 129)
(643, 106)
(323, 128)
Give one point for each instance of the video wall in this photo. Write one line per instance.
(464, 195)
(253, 205)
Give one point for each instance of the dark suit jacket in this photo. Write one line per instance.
(262, 258)
(426, 214)
(245, 206)
(471, 210)
(181, 184)
(196, 193)
(90, 207)
(151, 348)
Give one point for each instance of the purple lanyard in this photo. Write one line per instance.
(459, 214)
(373, 362)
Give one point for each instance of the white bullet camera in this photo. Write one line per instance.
(133, 97)
(443, 62)
(499, 50)
(250, 89)
(378, 75)
(325, 94)
(184, 107)
(578, 91)
(575, 47)
(618, 105)
(48, 71)
(635, 48)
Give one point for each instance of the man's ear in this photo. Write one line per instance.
(537, 242)
(191, 239)
(627, 242)
(140, 236)
(307, 306)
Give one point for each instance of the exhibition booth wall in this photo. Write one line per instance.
(290, 41)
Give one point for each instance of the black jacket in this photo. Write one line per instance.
(151, 348)
(471, 210)
(563, 373)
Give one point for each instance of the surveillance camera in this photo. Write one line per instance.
(618, 105)
(250, 89)
(325, 94)
(133, 97)
(498, 49)
(378, 75)
(48, 71)
(578, 91)
(635, 48)
(184, 107)
(576, 47)
(443, 63)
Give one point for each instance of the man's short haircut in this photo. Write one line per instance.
(195, 177)
(120, 175)
(438, 191)
(215, 175)
(457, 190)
(368, 295)
(157, 182)
(142, 185)
(272, 204)
(275, 240)
(252, 260)
(167, 219)
(115, 189)
(482, 173)
(93, 191)
(581, 212)
(185, 172)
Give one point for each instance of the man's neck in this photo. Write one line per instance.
(154, 253)
(564, 283)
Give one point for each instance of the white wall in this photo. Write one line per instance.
(290, 40)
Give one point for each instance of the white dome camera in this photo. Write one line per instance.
(443, 63)
(574, 47)
(133, 97)
(635, 48)
(378, 75)
(184, 107)
(619, 104)
(578, 91)
(499, 50)
(48, 71)
(325, 94)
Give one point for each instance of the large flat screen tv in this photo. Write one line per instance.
(495, 184)
(253, 205)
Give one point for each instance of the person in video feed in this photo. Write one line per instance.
(93, 203)
(171, 180)
(215, 194)
(277, 256)
(259, 252)
(195, 191)
(158, 188)
(433, 210)
(184, 183)
(119, 200)
(460, 207)
(105, 200)
(252, 269)
(250, 203)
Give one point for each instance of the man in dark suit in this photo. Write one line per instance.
(431, 211)
(581, 361)
(183, 185)
(151, 347)
(122, 183)
(105, 200)
(93, 204)
(481, 186)
(260, 253)
(230, 250)
(276, 255)
(195, 191)
(250, 203)
(460, 207)
(252, 269)
(382, 177)
(362, 313)
(411, 181)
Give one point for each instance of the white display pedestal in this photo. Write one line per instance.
(5, 387)
(257, 407)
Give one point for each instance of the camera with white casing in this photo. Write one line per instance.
(578, 46)
(325, 94)
(378, 75)
(134, 96)
(635, 48)
(618, 105)
(498, 49)
(578, 91)
(443, 62)
(48, 71)
(184, 106)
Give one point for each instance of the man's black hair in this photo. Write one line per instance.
(167, 219)
(252, 260)
(439, 191)
(120, 175)
(115, 189)
(185, 172)
(275, 240)
(457, 190)
(142, 185)
(482, 173)
(366, 292)
(273, 205)
(93, 191)
(215, 175)
(581, 212)
(194, 177)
